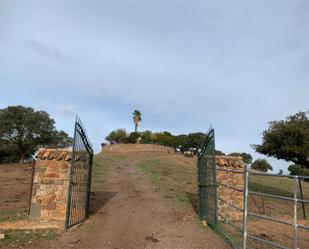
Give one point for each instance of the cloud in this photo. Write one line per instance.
(49, 51)
(67, 110)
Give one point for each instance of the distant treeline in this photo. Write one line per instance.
(185, 141)
(192, 140)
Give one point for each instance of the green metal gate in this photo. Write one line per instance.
(206, 174)
(80, 177)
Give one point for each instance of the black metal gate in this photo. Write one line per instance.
(206, 174)
(80, 177)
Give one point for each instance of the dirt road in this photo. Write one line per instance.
(129, 214)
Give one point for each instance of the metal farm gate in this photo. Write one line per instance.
(207, 190)
(80, 177)
(273, 208)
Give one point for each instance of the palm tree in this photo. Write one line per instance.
(137, 117)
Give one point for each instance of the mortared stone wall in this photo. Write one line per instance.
(50, 185)
(227, 193)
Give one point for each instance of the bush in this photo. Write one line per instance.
(133, 137)
(261, 165)
(117, 136)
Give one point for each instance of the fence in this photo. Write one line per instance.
(80, 177)
(273, 209)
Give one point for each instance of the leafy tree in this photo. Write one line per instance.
(247, 158)
(287, 139)
(261, 165)
(163, 139)
(22, 130)
(133, 137)
(179, 140)
(137, 117)
(60, 139)
(219, 153)
(195, 140)
(298, 170)
(117, 136)
(146, 137)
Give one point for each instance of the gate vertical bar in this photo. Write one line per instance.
(214, 178)
(89, 185)
(295, 213)
(69, 196)
(245, 207)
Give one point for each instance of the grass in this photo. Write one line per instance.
(17, 238)
(12, 216)
(173, 175)
(280, 186)
(100, 164)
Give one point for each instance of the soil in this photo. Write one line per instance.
(15, 184)
(128, 213)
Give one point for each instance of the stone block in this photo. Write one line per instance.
(52, 175)
(47, 181)
(35, 211)
(59, 182)
(51, 206)
(48, 199)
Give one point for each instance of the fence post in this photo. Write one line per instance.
(245, 207)
(295, 212)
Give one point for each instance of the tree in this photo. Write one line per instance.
(287, 139)
(133, 137)
(261, 165)
(195, 140)
(137, 117)
(60, 139)
(298, 170)
(219, 153)
(163, 138)
(247, 158)
(117, 136)
(22, 130)
(146, 137)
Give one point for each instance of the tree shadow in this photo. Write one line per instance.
(98, 199)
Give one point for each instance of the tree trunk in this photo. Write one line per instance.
(136, 127)
(22, 157)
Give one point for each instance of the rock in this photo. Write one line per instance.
(204, 223)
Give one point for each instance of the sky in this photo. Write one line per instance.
(186, 65)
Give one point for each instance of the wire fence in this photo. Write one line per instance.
(274, 211)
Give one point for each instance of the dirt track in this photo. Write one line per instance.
(129, 213)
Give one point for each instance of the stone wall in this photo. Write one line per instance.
(227, 194)
(50, 185)
(137, 148)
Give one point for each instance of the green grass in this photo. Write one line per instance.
(18, 238)
(183, 198)
(175, 178)
(100, 164)
(152, 168)
(12, 216)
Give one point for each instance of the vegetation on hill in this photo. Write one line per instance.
(192, 140)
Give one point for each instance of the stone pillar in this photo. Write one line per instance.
(228, 194)
(50, 185)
